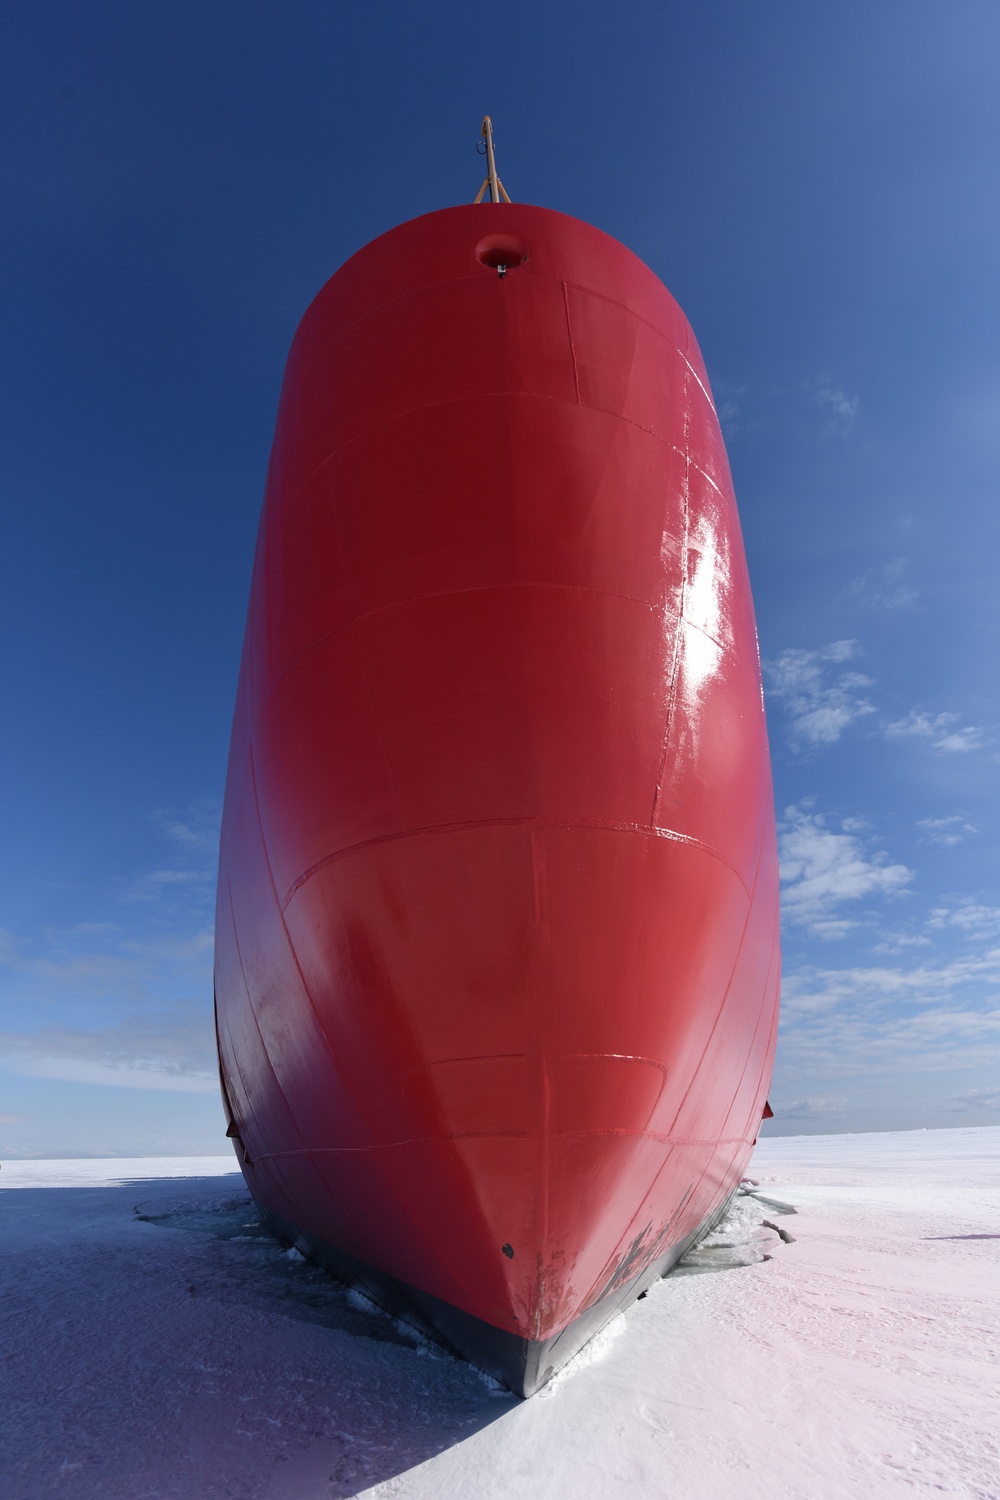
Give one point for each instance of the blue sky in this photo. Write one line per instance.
(817, 186)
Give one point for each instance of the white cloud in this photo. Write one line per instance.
(823, 870)
(869, 1018)
(187, 863)
(12, 1119)
(882, 588)
(189, 953)
(969, 916)
(92, 972)
(134, 1032)
(898, 942)
(173, 1050)
(123, 1003)
(819, 699)
(938, 730)
(973, 1099)
(811, 1107)
(126, 973)
(840, 408)
(947, 831)
(963, 740)
(158, 885)
(730, 406)
(193, 827)
(873, 985)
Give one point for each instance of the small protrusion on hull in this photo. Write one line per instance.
(233, 1133)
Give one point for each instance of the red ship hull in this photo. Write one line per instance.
(496, 942)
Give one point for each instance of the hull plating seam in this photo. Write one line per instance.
(532, 396)
(644, 829)
(567, 286)
(496, 1135)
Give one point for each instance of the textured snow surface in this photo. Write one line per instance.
(178, 1352)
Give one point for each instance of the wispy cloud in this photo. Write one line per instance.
(810, 1107)
(731, 405)
(882, 588)
(189, 846)
(947, 831)
(95, 972)
(819, 697)
(812, 989)
(824, 870)
(901, 942)
(729, 414)
(960, 916)
(172, 1050)
(969, 916)
(153, 885)
(193, 827)
(973, 1099)
(863, 1019)
(123, 971)
(126, 1003)
(939, 731)
(841, 410)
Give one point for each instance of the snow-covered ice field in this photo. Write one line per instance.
(176, 1352)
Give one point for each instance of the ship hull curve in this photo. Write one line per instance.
(496, 939)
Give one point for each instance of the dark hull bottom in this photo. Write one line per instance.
(523, 1365)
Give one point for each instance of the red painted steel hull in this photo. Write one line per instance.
(497, 944)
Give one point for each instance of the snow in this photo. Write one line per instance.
(88, 1172)
(179, 1352)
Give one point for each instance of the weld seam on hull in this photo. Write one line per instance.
(644, 829)
(658, 608)
(654, 607)
(502, 1135)
(472, 277)
(522, 395)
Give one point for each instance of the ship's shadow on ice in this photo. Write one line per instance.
(166, 1345)
(388, 1401)
(277, 1277)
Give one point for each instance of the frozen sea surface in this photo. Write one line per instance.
(154, 1343)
